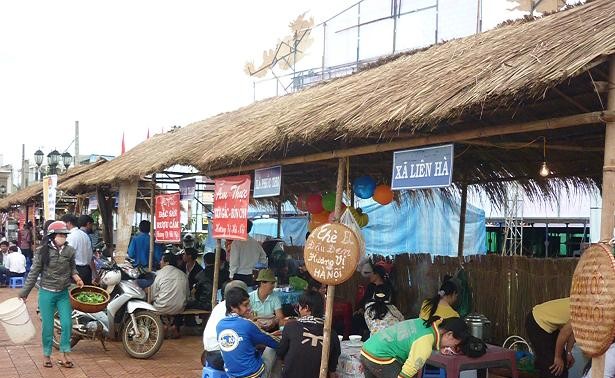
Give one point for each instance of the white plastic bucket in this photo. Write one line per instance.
(16, 320)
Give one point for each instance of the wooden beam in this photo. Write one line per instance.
(519, 145)
(607, 216)
(326, 334)
(570, 100)
(465, 135)
(152, 217)
(462, 221)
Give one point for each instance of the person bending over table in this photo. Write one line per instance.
(549, 329)
(266, 305)
(301, 344)
(238, 338)
(402, 349)
(442, 303)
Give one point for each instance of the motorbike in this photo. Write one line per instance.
(128, 316)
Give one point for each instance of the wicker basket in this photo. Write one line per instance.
(88, 307)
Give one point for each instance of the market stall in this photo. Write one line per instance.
(510, 101)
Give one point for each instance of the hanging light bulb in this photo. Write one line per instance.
(544, 169)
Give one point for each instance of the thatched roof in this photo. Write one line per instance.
(520, 72)
(33, 191)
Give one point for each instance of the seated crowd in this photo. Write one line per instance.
(247, 332)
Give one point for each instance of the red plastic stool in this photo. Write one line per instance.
(343, 310)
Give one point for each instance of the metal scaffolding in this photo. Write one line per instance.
(513, 223)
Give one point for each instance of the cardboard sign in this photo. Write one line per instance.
(267, 182)
(167, 221)
(592, 300)
(50, 184)
(331, 253)
(231, 199)
(430, 167)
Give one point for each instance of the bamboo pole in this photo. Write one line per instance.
(515, 128)
(462, 220)
(214, 294)
(152, 216)
(326, 345)
(607, 216)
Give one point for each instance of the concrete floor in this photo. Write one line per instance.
(176, 358)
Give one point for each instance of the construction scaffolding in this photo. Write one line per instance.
(513, 223)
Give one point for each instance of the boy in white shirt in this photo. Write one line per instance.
(15, 262)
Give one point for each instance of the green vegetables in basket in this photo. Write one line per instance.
(90, 298)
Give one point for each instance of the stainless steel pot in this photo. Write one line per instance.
(479, 326)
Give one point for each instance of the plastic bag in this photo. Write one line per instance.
(347, 219)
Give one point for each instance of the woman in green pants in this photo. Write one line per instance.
(55, 263)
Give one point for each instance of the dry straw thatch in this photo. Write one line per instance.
(32, 192)
(516, 73)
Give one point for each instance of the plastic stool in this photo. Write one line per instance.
(433, 372)
(209, 372)
(15, 282)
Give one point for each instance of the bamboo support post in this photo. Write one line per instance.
(607, 217)
(214, 294)
(152, 212)
(326, 345)
(462, 220)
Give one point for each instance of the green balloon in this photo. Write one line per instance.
(328, 201)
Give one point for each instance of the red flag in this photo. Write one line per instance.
(123, 145)
(148, 133)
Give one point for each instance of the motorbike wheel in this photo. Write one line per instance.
(57, 332)
(151, 335)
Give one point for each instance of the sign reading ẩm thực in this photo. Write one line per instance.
(430, 167)
(267, 182)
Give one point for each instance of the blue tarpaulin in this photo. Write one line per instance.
(413, 226)
(422, 226)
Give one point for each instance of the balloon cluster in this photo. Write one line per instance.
(321, 206)
(365, 187)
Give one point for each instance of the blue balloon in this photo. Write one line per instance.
(364, 187)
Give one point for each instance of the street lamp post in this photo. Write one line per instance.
(67, 158)
(53, 158)
(38, 159)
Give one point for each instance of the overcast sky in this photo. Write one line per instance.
(126, 66)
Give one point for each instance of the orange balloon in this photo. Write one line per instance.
(383, 194)
(320, 218)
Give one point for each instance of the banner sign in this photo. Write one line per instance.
(231, 198)
(267, 182)
(167, 223)
(187, 188)
(430, 167)
(92, 203)
(49, 196)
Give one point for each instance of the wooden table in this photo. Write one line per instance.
(495, 357)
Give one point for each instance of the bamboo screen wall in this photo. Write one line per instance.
(504, 289)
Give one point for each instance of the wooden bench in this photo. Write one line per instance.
(195, 311)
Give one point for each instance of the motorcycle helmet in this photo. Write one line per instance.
(110, 279)
(57, 227)
(188, 240)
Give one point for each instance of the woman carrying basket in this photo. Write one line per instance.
(55, 263)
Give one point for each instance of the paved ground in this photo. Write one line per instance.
(176, 358)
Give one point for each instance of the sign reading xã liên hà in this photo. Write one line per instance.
(430, 167)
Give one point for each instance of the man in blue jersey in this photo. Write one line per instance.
(239, 336)
(138, 249)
